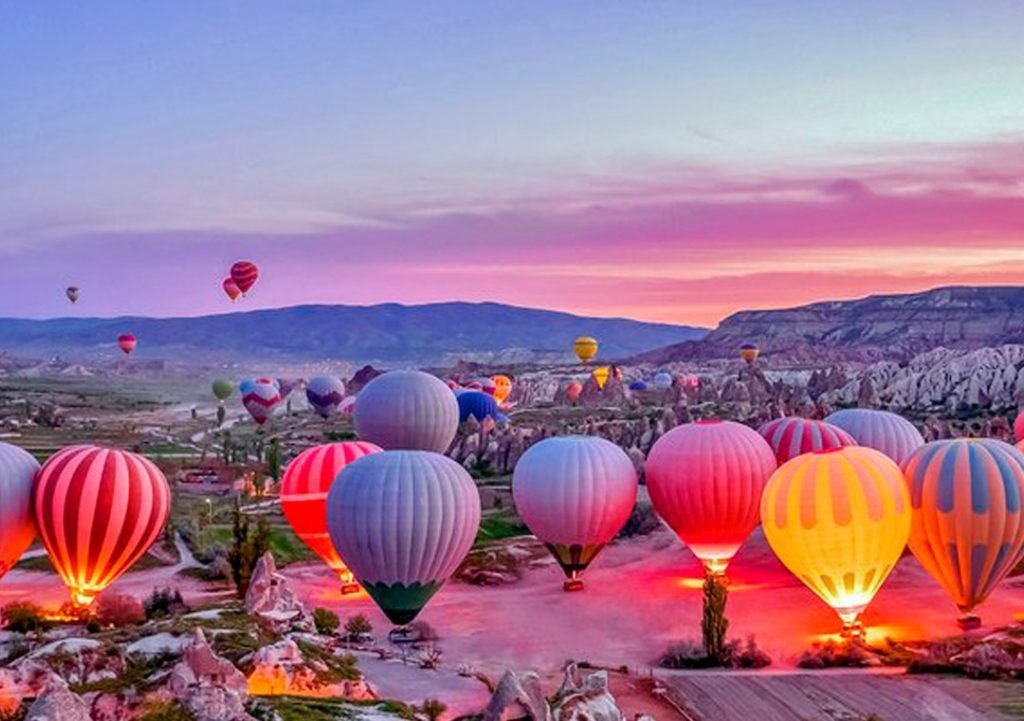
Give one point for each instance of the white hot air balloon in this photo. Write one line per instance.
(887, 432)
(407, 410)
(663, 381)
(17, 523)
(403, 521)
(575, 493)
(325, 394)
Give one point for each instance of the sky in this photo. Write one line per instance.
(669, 161)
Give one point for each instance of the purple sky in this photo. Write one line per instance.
(666, 161)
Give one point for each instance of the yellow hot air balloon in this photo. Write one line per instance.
(586, 348)
(749, 353)
(839, 519)
(602, 374)
(502, 387)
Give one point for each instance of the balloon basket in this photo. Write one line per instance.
(573, 585)
(347, 589)
(969, 622)
(403, 634)
(853, 631)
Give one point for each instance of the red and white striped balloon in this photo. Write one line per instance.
(98, 510)
(304, 487)
(261, 399)
(17, 525)
(245, 273)
(792, 437)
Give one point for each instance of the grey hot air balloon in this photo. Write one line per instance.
(407, 410)
(887, 432)
(17, 523)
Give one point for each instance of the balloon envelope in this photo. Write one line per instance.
(663, 381)
(222, 389)
(573, 390)
(574, 493)
(839, 520)
(126, 342)
(602, 374)
(304, 487)
(749, 352)
(245, 273)
(245, 385)
(887, 432)
(502, 387)
(261, 399)
(73, 292)
(791, 437)
(325, 394)
(968, 531)
(637, 386)
(586, 348)
(705, 480)
(407, 410)
(17, 523)
(98, 510)
(403, 521)
(231, 289)
(476, 404)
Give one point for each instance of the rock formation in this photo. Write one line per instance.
(518, 696)
(281, 668)
(209, 684)
(270, 597)
(585, 698)
(58, 704)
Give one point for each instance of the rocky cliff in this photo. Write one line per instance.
(894, 327)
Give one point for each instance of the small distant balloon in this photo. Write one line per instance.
(261, 399)
(126, 342)
(637, 386)
(245, 385)
(602, 374)
(286, 386)
(477, 405)
(325, 394)
(245, 273)
(749, 353)
(573, 390)
(586, 348)
(502, 387)
(73, 293)
(231, 288)
(487, 385)
(222, 389)
(663, 381)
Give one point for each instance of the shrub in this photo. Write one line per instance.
(358, 625)
(119, 609)
(164, 602)
(685, 654)
(166, 711)
(851, 654)
(326, 621)
(25, 617)
(432, 709)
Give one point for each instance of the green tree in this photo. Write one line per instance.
(247, 547)
(433, 709)
(274, 460)
(358, 625)
(713, 624)
(326, 621)
(222, 413)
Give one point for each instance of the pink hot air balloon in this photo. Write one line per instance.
(1018, 427)
(791, 437)
(705, 480)
(245, 274)
(17, 525)
(304, 487)
(231, 289)
(126, 342)
(573, 390)
(98, 511)
(575, 493)
(260, 400)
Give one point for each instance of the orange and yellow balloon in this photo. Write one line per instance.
(839, 519)
(602, 374)
(502, 387)
(586, 348)
(749, 353)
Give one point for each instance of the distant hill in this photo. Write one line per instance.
(389, 333)
(879, 326)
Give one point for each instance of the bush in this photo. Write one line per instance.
(166, 711)
(685, 654)
(25, 617)
(747, 655)
(164, 602)
(851, 654)
(119, 609)
(432, 709)
(358, 625)
(326, 621)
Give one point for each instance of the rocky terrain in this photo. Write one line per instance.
(882, 327)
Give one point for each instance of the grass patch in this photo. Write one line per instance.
(338, 668)
(284, 544)
(295, 708)
(499, 526)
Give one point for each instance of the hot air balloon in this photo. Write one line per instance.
(304, 487)
(637, 386)
(231, 288)
(347, 407)
(286, 386)
(245, 385)
(705, 480)
(839, 520)
(967, 531)
(407, 410)
(574, 493)
(487, 385)
(73, 292)
(1018, 426)
(573, 390)
(749, 353)
(887, 432)
(602, 374)
(689, 381)
(403, 521)
(98, 510)
(502, 387)
(586, 348)
(475, 404)
(222, 389)
(790, 437)
(261, 399)
(245, 273)
(126, 342)
(17, 524)
(663, 381)
(325, 393)
(452, 384)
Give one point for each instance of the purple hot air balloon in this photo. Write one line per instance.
(325, 394)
